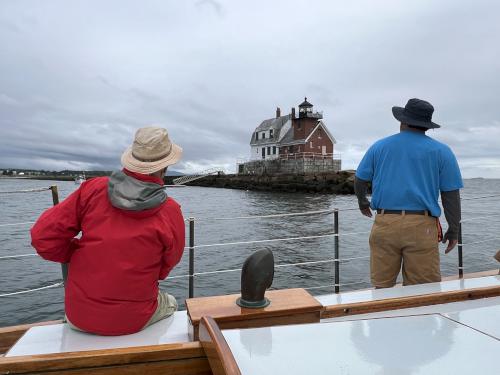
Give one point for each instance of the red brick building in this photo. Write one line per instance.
(301, 136)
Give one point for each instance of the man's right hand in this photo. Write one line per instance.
(366, 211)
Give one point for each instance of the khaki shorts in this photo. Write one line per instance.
(402, 241)
(167, 305)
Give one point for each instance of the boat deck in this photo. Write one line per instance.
(59, 338)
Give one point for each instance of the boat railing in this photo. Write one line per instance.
(336, 260)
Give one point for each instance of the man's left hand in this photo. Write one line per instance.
(451, 245)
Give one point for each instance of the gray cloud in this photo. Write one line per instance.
(77, 80)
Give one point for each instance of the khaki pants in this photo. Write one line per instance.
(407, 240)
(167, 305)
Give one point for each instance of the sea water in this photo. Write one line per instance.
(213, 209)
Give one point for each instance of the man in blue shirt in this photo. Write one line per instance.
(408, 170)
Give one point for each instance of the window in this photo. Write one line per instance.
(269, 150)
(274, 150)
(311, 144)
(263, 135)
(256, 136)
(271, 132)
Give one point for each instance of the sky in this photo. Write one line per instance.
(77, 78)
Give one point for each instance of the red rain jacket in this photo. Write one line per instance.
(114, 268)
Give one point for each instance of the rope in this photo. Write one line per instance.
(18, 256)
(31, 290)
(25, 191)
(8, 225)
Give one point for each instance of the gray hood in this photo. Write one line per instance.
(128, 193)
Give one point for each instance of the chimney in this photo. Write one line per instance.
(278, 112)
(293, 112)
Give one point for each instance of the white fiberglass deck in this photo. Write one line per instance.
(60, 338)
(427, 344)
(411, 290)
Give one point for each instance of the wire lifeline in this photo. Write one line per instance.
(480, 197)
(18, 256)
(13, 224)
(305, 213)
(476, 242)
(25, 191)
(280, 239)
(478, 218)
(31, 290)
(276, 266)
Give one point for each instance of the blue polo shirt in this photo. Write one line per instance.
(408, 170)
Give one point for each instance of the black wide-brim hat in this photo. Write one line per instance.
(416, 113)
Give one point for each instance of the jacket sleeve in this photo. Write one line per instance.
(173, 254)
(53, 233)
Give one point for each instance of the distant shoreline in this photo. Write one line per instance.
(44, 178)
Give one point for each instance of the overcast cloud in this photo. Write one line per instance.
(78, 77)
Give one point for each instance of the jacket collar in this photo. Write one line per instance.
(143, 177)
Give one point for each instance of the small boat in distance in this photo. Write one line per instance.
(80, 179)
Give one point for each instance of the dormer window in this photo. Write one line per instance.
(256, 136)
(263, 135)
(271, 131)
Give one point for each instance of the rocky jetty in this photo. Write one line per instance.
(326, 182)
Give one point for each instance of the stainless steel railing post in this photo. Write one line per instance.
(191, 257)
(55, 201)
(336, 249)
(460, 254)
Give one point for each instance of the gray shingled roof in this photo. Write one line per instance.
(274, 123)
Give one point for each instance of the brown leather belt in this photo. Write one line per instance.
(404, 212)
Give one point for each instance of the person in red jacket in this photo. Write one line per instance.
(132, 235)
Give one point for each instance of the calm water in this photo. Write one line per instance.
(207, 203)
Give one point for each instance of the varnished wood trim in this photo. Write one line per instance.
(10, 335)
(192, 366)
(312, 317)
(219, 354)
(98, 358)
(334, 311)
(225, 309)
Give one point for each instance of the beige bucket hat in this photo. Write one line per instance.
(151, 151)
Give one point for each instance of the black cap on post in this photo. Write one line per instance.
(256, 276)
